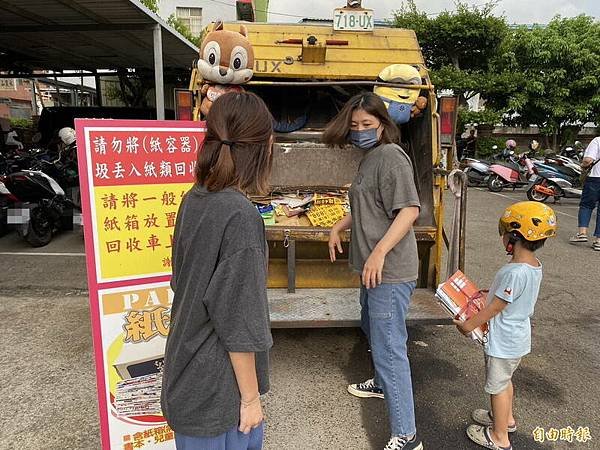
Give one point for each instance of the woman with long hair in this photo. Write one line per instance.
(216, 357)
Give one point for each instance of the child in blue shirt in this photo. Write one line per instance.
(524, 228)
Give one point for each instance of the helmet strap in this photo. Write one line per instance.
(512, 241)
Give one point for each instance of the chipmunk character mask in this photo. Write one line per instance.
(226, 61)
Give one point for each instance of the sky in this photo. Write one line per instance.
(516, 11)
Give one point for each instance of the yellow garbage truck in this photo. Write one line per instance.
(305, 72)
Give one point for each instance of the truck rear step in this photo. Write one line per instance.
(328, 308)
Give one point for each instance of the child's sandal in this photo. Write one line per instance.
(481, 436)
(484, 417)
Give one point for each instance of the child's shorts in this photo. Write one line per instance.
(498, 373)
(230, 440)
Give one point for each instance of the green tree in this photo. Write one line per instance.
(183, 29)
(459, 46)
(556, 70)
(152, 5)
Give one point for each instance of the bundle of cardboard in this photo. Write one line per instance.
(462, 299)
(303, 209)
(139, 396)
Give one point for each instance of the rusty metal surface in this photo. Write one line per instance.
(278, 233)
(324, 308)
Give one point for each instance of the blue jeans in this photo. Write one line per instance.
(383, 314)
(230, 440)
(590, 199)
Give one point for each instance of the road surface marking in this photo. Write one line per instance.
(40, 254)
(512, 198)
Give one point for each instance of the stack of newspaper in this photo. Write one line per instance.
(139, 396)
(462, 299)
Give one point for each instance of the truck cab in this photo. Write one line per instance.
(305, 73)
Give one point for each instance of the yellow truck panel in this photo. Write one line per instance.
(347, 55)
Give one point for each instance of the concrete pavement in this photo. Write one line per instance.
(48, 392)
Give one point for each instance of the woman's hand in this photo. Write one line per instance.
(335, 242)
(251, 415)
(372, 273)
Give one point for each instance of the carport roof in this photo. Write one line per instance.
(87, 35)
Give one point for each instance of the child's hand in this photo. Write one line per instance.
(463, 327)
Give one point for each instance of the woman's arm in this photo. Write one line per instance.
(244, 366)
(373, 268)
(334, 235)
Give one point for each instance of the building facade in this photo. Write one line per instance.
(196, 14)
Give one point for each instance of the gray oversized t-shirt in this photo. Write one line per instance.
(384, 185)
(220, 306)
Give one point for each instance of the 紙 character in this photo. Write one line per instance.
(155, 145)
(144, 325)
(111, 224)
(150, 169)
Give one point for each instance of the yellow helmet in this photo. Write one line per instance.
(532, 220)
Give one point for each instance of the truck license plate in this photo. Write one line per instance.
(346, 19)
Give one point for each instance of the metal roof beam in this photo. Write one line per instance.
(77, 28)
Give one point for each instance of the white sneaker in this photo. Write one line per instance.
(579, 237)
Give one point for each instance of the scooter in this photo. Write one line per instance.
(476, 170)
(551, 185)
(510, 174)
(45, 209)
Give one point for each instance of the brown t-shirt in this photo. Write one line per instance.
(384, 185)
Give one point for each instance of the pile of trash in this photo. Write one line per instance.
(303, 209)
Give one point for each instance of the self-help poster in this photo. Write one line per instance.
(133, 175)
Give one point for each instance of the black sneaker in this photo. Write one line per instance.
(366, 389)
(402, 443)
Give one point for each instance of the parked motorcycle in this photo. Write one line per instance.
(476, 170)
(45, 208)
(555, 185)
(514, 173)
